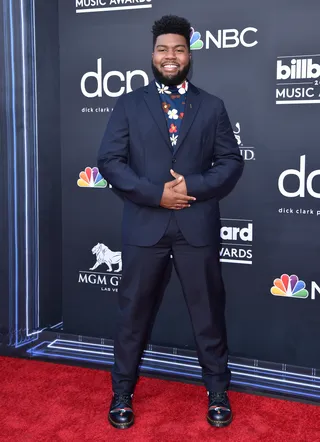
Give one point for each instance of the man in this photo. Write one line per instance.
(169, 149)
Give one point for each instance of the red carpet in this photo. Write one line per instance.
(41, 401)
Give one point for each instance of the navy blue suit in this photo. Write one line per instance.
(136, 157)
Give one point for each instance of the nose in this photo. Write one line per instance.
(171, 55)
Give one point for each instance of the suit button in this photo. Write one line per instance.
(174, 160)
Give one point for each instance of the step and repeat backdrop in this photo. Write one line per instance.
(264, 62)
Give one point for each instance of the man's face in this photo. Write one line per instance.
(171, 59)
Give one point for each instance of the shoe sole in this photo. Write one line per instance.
(121, 426)
(219, 423)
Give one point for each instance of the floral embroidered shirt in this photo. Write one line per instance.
(173, 100)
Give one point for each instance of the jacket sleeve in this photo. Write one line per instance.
(113, 162)
(227, 167)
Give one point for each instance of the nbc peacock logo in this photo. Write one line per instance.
(91, 177)
(195, 40)
(290, 287)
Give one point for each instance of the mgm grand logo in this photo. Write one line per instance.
(109, 265)
(247, 152)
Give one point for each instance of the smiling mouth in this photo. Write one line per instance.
(170, 67)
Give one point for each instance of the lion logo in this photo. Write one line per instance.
(236, 134)
(106, 256)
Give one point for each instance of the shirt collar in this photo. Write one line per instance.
(180, 88)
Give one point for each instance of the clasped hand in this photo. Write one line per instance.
(175, 193)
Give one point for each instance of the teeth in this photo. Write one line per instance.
(170, 66)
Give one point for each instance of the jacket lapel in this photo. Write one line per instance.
(153, 101)
(191, 108)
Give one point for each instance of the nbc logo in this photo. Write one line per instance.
(291, 287)
(224, 38)
(195, 40)
(91, 177)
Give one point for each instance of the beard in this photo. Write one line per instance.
(171, 80)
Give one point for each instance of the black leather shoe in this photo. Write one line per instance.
(219, 412)
(121, 413)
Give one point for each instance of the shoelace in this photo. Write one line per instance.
(123, 398)
(218, 398)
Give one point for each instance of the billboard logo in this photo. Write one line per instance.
(86, 6)
(109, 280)
(289, 286)
(298, 79)
(100, 83)
(246, 151)
(305, 182)
(302, 68)
(236, 244)
(91, 177)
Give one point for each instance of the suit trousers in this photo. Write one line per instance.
(144, 279)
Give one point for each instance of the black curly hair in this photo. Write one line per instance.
(172, 24)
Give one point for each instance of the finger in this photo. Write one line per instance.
(179, 207)
(174, 174)
(181, 204)
(177, 181)
(181, 197)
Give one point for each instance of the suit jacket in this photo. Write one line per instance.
(136, 157)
